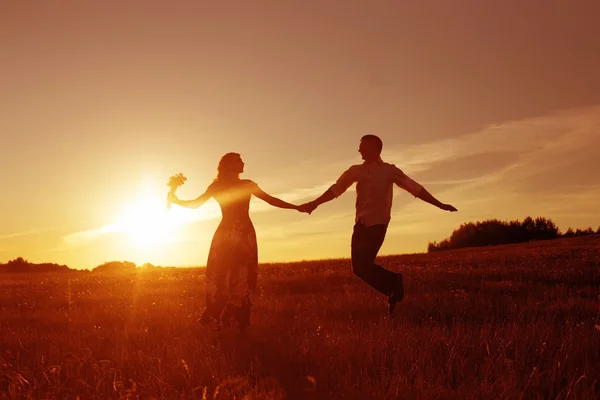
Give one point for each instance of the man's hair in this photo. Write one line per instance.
(375, 140)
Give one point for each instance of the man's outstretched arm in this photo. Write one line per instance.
(343, 183)
(428, 198)
(406, 183)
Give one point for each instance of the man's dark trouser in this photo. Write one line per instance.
(366, 242)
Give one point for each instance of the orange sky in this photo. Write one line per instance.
(493, 108)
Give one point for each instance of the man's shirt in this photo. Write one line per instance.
(374, 189)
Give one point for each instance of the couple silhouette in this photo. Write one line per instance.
(232, 266)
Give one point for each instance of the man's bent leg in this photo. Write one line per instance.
(366, 242)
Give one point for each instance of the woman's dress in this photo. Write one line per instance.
(232, 266)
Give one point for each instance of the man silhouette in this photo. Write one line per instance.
(374, 192)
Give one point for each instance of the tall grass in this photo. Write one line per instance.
(516, 322)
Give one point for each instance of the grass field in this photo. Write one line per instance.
(509, 322)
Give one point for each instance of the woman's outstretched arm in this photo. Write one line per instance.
(195, 203)
(274, 201)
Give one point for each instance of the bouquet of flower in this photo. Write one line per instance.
(174, 182)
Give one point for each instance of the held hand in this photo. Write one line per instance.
(299, 208)
(307, 207)
(448, 207)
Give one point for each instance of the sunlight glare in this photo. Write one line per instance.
(148, 222)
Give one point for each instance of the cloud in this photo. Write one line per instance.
(507, 153)
(532, 138)
(14, 235)
(526, 147)
(305, 193)
(88, 236)
(307, 226)
(499, 171)
(462, 169)
(551, 171)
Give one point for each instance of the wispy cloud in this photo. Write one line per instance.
(539, 181)
(7, 236)
(498, 159)
(307, 226)
(528, 146)
(88, 236)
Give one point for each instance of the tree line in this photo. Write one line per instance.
(21, 265)
(471, 234)
(495, 232)
(111, 267)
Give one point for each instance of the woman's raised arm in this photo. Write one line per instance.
(195, 203)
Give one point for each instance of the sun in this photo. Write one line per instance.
(147, 222)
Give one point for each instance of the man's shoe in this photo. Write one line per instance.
(397, 296)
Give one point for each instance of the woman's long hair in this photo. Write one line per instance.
(228, 168)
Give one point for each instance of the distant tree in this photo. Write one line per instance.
(115, 267)
(587, 232)
(584, 232)
(569, 233)
(528, 226)
(435, 246)
(21, 265)
(545, 229)
(516, 232)
(494, 232)
(598, 231)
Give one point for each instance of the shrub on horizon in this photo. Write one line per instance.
(495, 232)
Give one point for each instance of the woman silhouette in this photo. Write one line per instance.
(231, 270)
